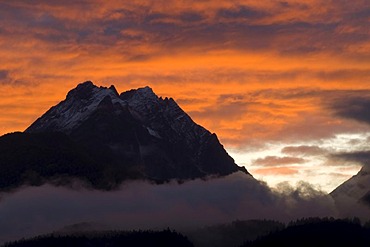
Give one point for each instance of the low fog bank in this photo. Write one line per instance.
(140, 205)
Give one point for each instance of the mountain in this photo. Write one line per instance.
(356, 190)
(104, 138)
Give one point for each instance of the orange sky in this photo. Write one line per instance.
(263, 75)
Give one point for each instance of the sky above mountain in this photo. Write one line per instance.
(284, 84)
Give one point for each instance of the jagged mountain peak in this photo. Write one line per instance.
(113, 88)
(144, 93)
(79, 104)
(162, 117)
(145, 90)
(83, 100)
(138, 129)
(83, 90)
(87, 89)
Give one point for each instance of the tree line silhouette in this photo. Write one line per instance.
(110, 238)
(318, 232)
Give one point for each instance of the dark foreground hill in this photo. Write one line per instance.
(105, 138)
(165, 238)
(233, 234)
(318, 233)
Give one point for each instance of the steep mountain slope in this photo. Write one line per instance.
(355, 190)
(135, 133)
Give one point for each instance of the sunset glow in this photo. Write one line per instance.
(285, 85)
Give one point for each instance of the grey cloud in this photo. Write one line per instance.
(4, 74)
(244, 12)
(360, 157)
(356, 108)
(293, 5)
(361, 14)
(191, 17)
(186, 101)
(304, 150)
(342, 75)
(329, 98)
(276, 161)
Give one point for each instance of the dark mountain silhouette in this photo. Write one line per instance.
(104, 138)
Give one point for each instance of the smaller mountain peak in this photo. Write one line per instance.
(82, 91)
(140, 93)
(86, 84)
(113, 88)
(146, 92)
(145, 89)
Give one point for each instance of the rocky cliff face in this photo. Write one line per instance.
(137, 131)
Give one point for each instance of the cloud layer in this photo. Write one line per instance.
(36, 210)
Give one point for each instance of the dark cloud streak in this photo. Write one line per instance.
(360, 157)
(4, 74)
(243, 12)
(355, 108)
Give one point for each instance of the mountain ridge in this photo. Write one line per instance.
(135, 133)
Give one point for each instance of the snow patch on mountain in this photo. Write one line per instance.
(79, 104)
(153, 133)
(351, 197)
(356, 187)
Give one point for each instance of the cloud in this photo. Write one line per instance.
(276, 171)
(228, 107)
(277, 161)
(36, 210)
(243, 26)
(191, 16)
(360, 157)
(241, 12)
(249, 117)
(304, 150)
(353, 108)
(4, 74)
(4, 77)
